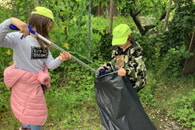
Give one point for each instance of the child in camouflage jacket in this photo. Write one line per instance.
(126, 57)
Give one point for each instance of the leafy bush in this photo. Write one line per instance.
(147, 95)
(72, 90)
(5, 13)
(171, 65)
(19, 11)
(4, 97)
(183, 109)
(165, 52)
(5, 60)
(104, 49)
(147, 44)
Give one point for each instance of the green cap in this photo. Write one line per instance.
(44, 12)
(120, 34)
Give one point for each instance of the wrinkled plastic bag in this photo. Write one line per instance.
(119, 105)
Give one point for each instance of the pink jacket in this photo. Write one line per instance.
(27, 98)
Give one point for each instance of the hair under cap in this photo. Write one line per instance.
(120, 34)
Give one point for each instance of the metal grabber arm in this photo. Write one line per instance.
(13, 27)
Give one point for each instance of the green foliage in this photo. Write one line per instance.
(147, 95)
(22, 9)
(104, 49)
(71, 94)
(146, 8)
(170, 65)
(182, 25)
(77, 36)
(66, 10)
(173, 47)
(5, 13)
(147, 44)
(165, 53)
(101, 24)
(5, 61)
(183, 109)
(4, 97)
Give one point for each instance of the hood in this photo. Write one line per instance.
(12, 75)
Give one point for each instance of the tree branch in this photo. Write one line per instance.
(137, 21)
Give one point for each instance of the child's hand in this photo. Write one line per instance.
(122, 72)
(100, 68)
(65, 56)
(22, 26)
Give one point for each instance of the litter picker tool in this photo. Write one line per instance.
(13, 27)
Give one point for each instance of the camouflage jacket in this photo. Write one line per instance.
(131, 61)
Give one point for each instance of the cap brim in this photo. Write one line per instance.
(119, 41)
(55, 26)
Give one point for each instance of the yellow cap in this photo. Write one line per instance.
(120, 34)
(44, 12)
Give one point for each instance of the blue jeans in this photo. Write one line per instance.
(33, 127)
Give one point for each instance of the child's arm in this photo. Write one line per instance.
(22, 26)
(52, 63)
(8, 40)
(4, 29)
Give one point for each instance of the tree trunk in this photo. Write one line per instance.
(189, 66)
(99, 9)
(134, 14)
(36, 3)
(167, 15)
(111, 15)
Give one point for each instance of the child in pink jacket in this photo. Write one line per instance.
(28, 77)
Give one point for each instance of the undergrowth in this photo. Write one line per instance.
(72, 105)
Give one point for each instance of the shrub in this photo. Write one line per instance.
(183, 109)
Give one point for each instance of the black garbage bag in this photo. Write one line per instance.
(119, 105)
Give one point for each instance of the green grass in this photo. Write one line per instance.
(72, 105)
(174, 100)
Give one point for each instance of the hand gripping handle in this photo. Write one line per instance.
(13, 27)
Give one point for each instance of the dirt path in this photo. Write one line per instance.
(163, 122)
